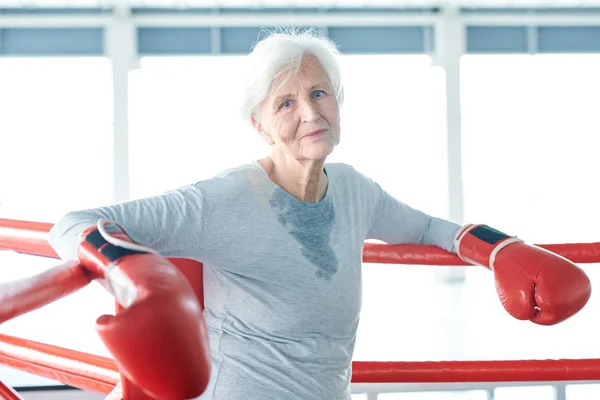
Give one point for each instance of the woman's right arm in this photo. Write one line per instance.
(170, 223)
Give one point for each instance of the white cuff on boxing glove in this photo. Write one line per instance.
(483, 245)
(114, 280)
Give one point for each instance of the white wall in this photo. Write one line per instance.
(60, 394)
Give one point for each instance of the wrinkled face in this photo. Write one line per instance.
(301, 118)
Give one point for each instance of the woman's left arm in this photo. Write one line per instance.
(395, 222)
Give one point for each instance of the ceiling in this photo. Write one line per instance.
(305, 3)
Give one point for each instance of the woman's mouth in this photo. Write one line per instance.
(315, 134)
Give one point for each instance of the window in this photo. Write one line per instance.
(394, 127)
(530, 140)
(55, 136)
(55, 156)
(185, 123)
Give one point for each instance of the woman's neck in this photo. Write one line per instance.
(304, 180)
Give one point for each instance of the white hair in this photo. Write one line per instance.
(280, 55)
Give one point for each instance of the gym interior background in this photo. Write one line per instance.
(474, 110)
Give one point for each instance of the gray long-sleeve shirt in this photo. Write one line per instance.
(282, 277)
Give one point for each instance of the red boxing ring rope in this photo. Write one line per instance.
(101, 374)
(74, 368)
(7, 393)
(31, 238)
(579, 253)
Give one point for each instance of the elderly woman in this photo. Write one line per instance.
(281, 238)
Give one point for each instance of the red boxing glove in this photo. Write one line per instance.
(159, 340)
(532, 283)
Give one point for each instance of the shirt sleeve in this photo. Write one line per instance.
(395, 222)
(170, 223)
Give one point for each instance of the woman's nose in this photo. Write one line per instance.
(309, 112)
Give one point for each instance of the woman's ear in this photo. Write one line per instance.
(257, 125)
(259, 128)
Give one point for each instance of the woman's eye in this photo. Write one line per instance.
(318, 93)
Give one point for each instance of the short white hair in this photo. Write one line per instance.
(280, 54)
